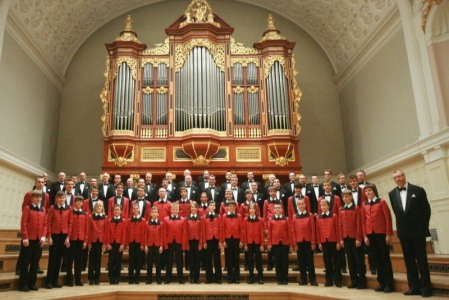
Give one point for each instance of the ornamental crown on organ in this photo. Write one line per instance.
(200, 99)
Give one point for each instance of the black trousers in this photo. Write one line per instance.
(415, 258)
(55, 254)
(194, 260)
(135, 261)
(29, 263)
(95, 261)
(305, 262)
(280, 255)
(153, 256)
(174, 254)
(356, 261)
(232, 256)
(115, 263)
(213, 259)
(381, 255)
(254, 255)
(331, 259)
(74, 255)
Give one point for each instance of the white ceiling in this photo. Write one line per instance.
(57, 28)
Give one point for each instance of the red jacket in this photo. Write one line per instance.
(268, 210)
(176, 231)
(244, 209)
(97, 228)
(44, 202)
(155, 234)
(335, 204)
(224, 207)
(351, 223)
(202, 210)
(327, 229)
(164, 208)
(59, 220)
(253, 231)
(146, 208)
(116, 231)
(293, 206)
(303, 228)
(80, 221)
(376, 218)
(194, 229)
(278, 231)
(124, 203)
(135, 230)
(231, 226)
(33, 225)
(184, 208)
(212, 227)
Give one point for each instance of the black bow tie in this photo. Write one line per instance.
(204, 206)
(36, 208)
(154, 223)
(134, 219)
(98, 217)
(212, 188)
(141, 200)
(402, 189)
(327, 195)
(117, 220)
(255, 219)
(355, 191)
(232, 215)
(188, 186)
(211, 216)
(324, 216)
(174, 217)
(77, 212)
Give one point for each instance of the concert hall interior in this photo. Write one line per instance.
(269, 86)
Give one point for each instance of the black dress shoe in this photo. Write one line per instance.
(97, 282)
(49, 286)
(57, 285)
(412, 292)
(314, 283)
(181, 281)
(237, 281)
(338, 284)
(328, 284)
(388, 290)
(218, 281)
(426, 294)
(352, 286)
(250, 280)
(17, 272)
(33, 288)
(373, 270)
(261, 281)
(24, 289)
(269, 268)
(91, 282)
(295, 269)
(379, 289)
(79, 283)
(209, 281)
(167, 281)
(69, 283)
(159, 282)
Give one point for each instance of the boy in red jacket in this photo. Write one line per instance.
(135, 239)
(304, 239)
(33, 228)
(328, 238)
(232, 232)
(254, 240)
(377, 231)
(97, 235)
(279, 241)
(352, 239)
(115, 243)
(154, 245)
(78, 241)
(195, 242)
(175, 242)
(212, 237)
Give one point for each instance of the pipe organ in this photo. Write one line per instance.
(200, 100)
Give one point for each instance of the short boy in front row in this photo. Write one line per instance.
(115, 242)
(232, 232)
(135, 241)
(212, 237)
(377, 231)
(328, 240)
(154, 245)
(304, 238)
(279, 242)
(352, 239)
(194, 242)
(254, 241)
(33, 229)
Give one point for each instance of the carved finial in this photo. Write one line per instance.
(270, 22)
(129, 23)
(272, 33)
(199, 11)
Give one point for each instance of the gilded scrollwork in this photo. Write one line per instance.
(217, 51)
(199, 11)
(104, 98)
(155, 61)
(162, 90)
(200, 131)
(252, 89)
(297, 94)
(239, 48)
(269, 61)
(160, 49)
(147, 90)
(245, 61)
(425, 14)
(130, 61)
(238, 90)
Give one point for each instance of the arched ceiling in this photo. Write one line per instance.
(57, 28)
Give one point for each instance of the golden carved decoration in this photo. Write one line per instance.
(238, 90)
(201, 161)
(297, 94)
(128, 35)
(279, 132)
(147, 90)
(426, 11)
(239, 48)
(122, 132)
(121, 153)
(269, 61)
(248, 154)
(130, 61)
(153, 154)
(281, 161)
(272, 33)
(199, 11)
(104, 97)
(162, 90)
(252, 89)
(155, 61)
(160, 49)
(244, 61)
(217, 51)
(200, 131)
(281, 153)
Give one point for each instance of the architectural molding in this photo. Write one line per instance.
(369, 48)
(34, 52)
(22, 165)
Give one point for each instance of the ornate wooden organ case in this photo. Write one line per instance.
(200, 100)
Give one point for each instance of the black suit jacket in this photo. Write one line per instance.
(194, 193)
(55, 187)
(151, 192)
(202, 186)
(310, 192)
(218, 197)
(413, 222)
(288, 188)
(246, 186)
(110, 192)
(133, 195)
(85, 192)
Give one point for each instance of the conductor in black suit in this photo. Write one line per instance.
(412, 211)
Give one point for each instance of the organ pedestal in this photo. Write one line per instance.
(200, 100)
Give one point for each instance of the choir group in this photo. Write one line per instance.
(80, 221)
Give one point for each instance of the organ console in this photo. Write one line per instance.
(200, 100)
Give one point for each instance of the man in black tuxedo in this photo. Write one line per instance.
(289, 187)
(258, 197)
(412, 211)
(151, 192)
(203, 185)
(214, 193)
(193, 192)
(82, 186)
(129, 191)
(314, 191)
(56, 187)
(106, 190)
(247, 184)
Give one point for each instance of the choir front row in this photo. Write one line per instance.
(202, 233)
